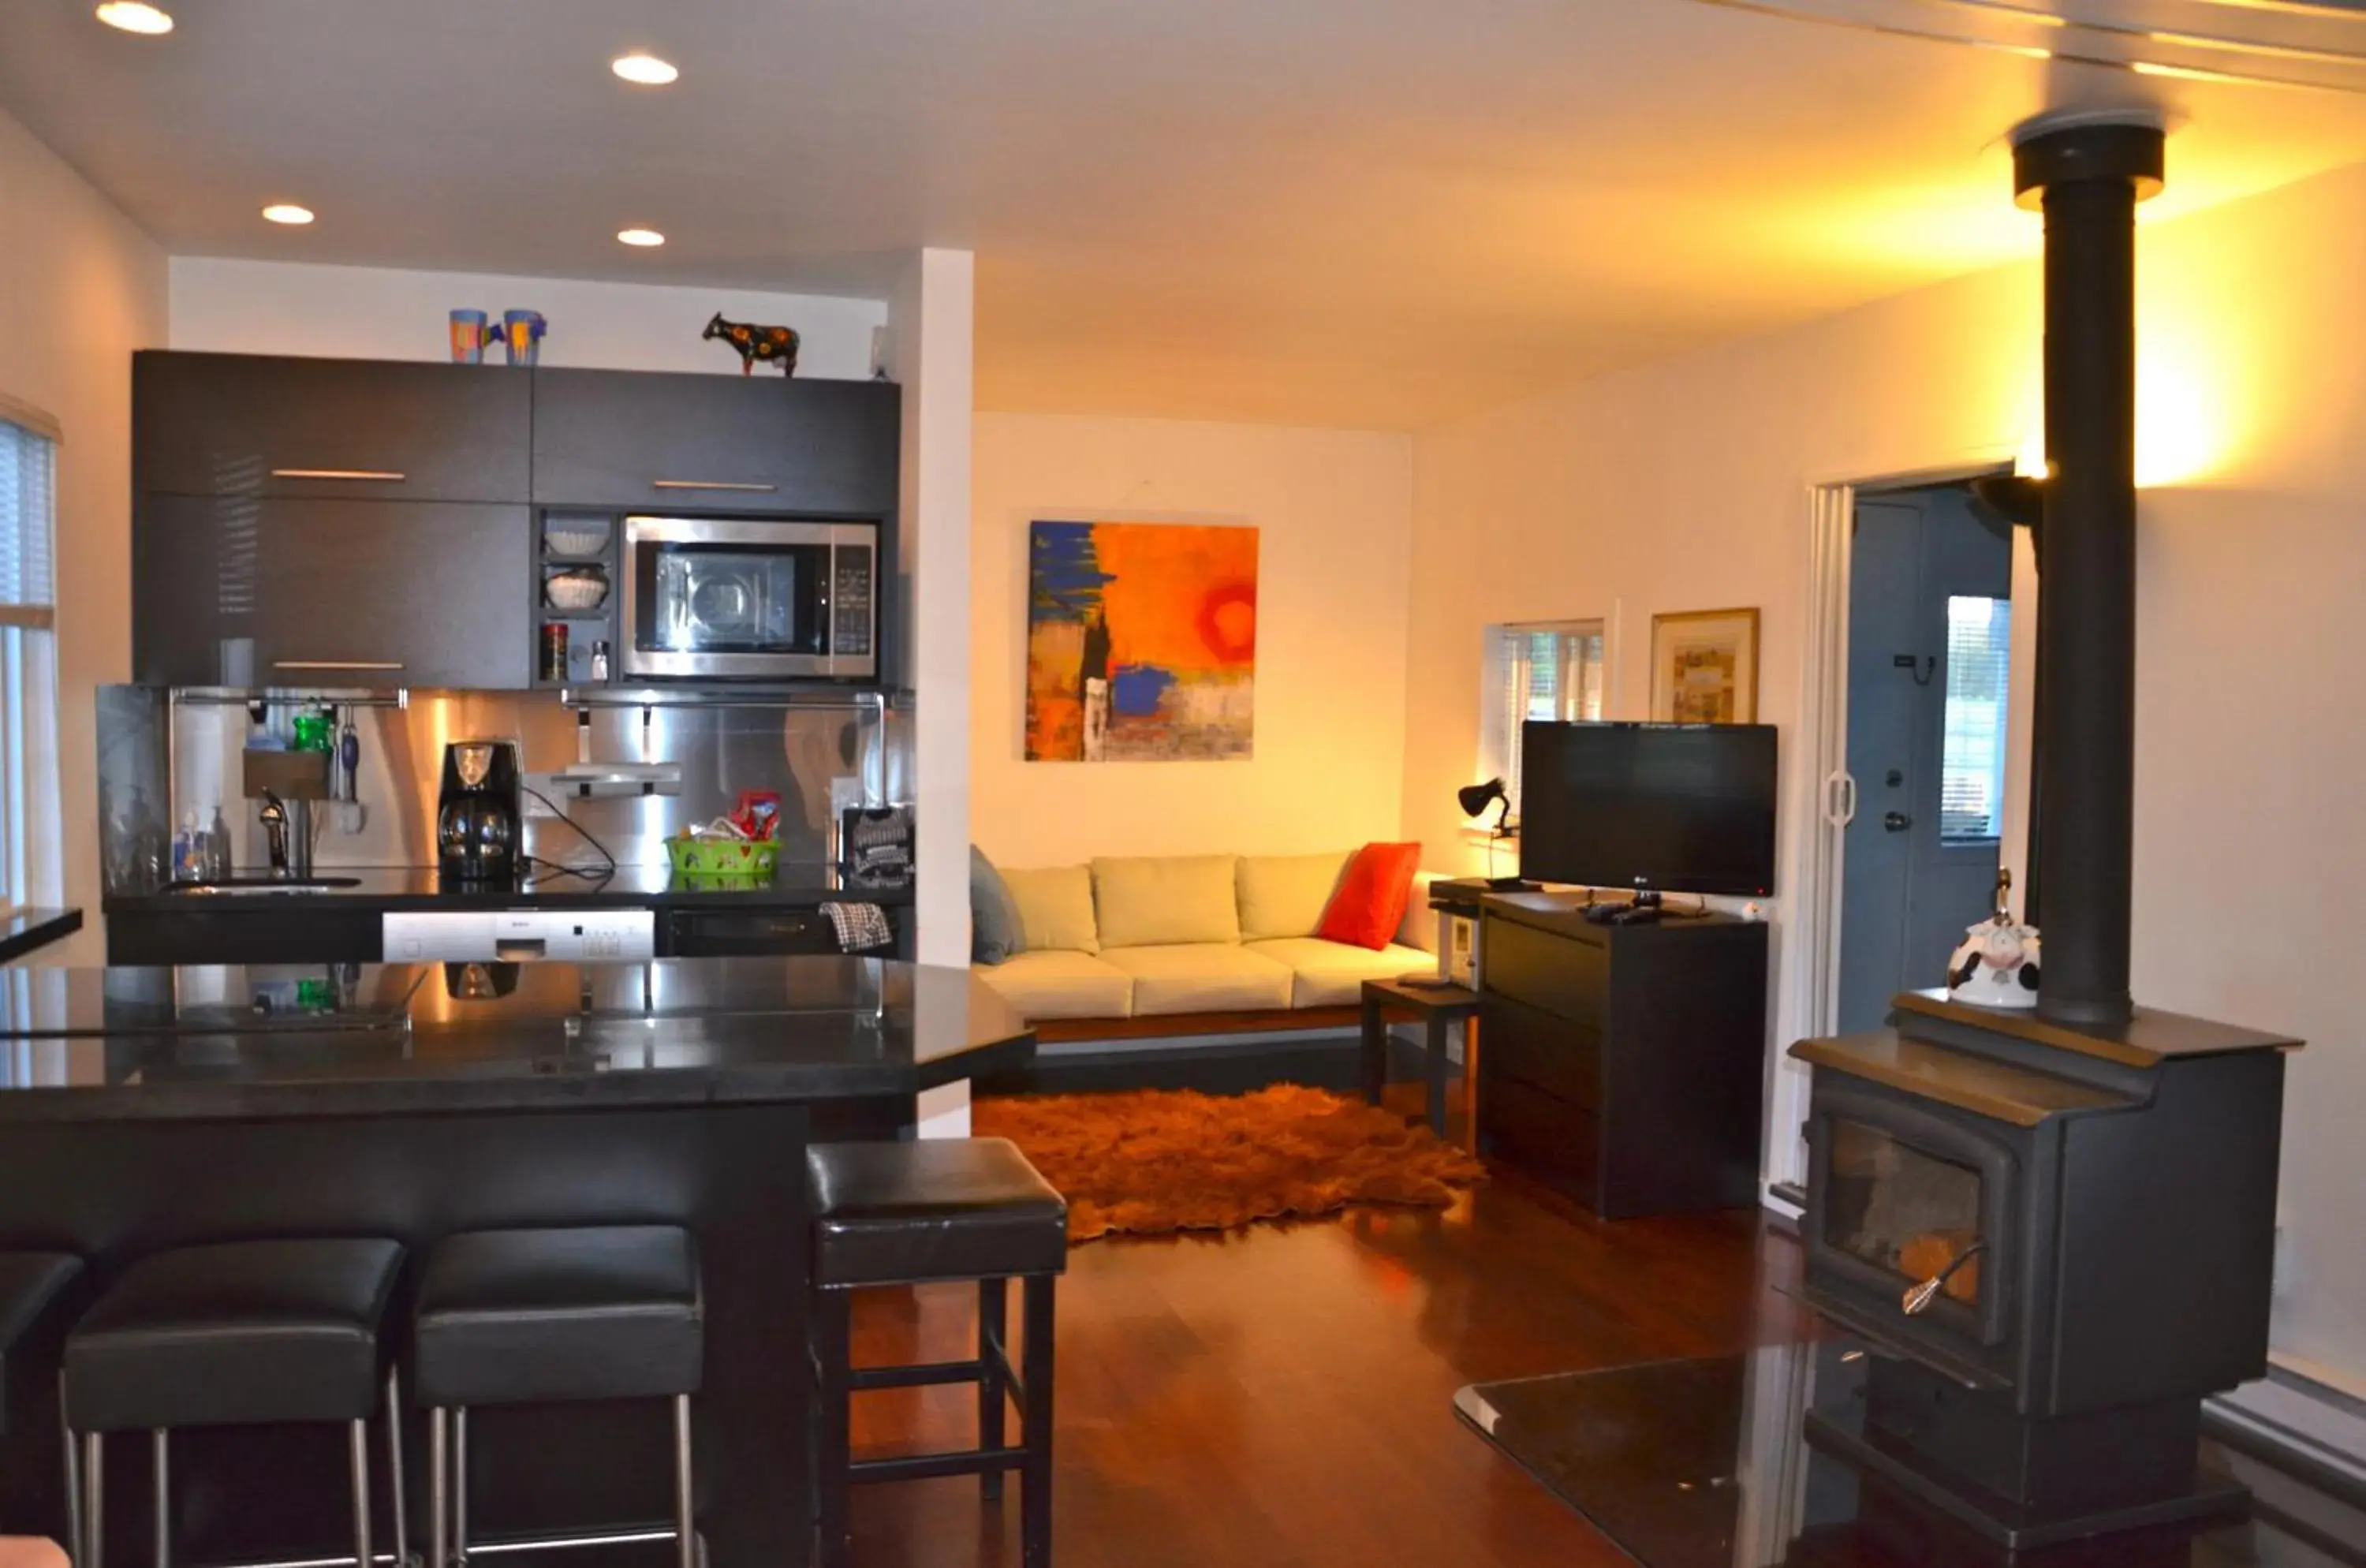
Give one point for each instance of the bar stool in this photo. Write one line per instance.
(553, 1316)
(31, 1283)
(903, 1213)
(237, 1334)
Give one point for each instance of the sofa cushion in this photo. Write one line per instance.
(1057, 982)
(1055, 907)
(1150, 900)
(994, 931)
(1201, 976)
(1370, 903)
(1419, 927)
(1331, 973)
(1286, 894)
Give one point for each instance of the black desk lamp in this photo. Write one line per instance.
(1475, 799)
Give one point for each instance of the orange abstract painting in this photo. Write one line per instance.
(1141, 642)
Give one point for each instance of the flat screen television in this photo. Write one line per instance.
(1663, 807)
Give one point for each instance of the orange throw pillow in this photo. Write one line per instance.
(1370, 902)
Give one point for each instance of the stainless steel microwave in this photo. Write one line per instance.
(744, 598)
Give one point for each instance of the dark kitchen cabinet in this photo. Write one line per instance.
(333, 593)
(648, 441)
(273, 426)
(1623, 1065)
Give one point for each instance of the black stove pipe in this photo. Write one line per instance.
(2088, 179)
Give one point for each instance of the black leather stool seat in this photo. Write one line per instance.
(892, 1214)
(509, 1317)
(235, 1334)
(30, 1281)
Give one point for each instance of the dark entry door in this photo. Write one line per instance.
(1929, 583)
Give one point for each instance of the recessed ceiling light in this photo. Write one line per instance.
(642, 237)
(135, 16)
(646, 68)
(287, 212)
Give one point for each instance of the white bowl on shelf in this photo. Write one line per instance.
(577, 589)
(574, 538)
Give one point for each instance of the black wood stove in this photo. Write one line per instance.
(2057, 1228)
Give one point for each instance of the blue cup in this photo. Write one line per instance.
(522, 333)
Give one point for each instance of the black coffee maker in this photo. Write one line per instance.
(479, 832)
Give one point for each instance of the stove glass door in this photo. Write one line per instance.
(1904, 1209)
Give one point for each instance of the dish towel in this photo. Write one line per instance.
(861, 928)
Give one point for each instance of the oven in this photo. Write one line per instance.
(715, 598)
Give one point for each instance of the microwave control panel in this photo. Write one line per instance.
(850, 614)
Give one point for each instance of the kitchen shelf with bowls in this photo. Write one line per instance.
(574, 588)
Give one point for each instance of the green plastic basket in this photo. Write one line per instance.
(738, 859)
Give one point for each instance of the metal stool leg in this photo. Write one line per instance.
(832, 1333)
(684, 1498)
(94, 1502)
(357, 1441)
(395, 1490)
(73, 1446)
(1036, 1380)
(161, 1443)
(460, 1484)
(439, 1497)
(993, 1395)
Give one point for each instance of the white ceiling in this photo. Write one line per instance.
(1358, 212)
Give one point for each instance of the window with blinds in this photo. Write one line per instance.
(1542, 671)
(1972, 742)
(30, 858)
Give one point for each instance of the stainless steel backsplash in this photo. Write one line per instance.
(164, 754)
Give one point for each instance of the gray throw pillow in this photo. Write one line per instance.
(995, 934)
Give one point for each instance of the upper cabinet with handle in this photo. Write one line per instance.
(653, 442)
(238, 425)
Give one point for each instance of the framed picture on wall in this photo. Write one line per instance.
(1704, 667)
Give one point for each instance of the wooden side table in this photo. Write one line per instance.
(1436, 1007)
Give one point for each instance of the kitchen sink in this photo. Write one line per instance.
(262, 886)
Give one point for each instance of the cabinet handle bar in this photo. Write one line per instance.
(711, 484)
(336, 665)
(371, 476)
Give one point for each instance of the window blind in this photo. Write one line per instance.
(1979, 677)
(1535, 671)
(30, 855)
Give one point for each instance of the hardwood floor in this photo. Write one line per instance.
(1281, 1397)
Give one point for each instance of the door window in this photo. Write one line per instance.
(1972, 745)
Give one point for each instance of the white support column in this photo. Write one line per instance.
(929, 321)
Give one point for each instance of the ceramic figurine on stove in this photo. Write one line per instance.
(771, 346)
(1997, 964)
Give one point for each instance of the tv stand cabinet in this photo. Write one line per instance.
(1624, 1066)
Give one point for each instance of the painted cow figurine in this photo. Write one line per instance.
(772, 346)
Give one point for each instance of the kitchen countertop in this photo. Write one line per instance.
(271, 1041)
(795, 885)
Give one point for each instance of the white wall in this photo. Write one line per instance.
(1334, 511)
(1683, 486)
(80, 288)
(368, 312)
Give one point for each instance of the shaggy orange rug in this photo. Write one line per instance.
(1159, 1161)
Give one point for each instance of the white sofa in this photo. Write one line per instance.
(1154, 936)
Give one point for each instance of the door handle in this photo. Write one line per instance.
(711, 484)
(1896, 821)
(1839, 799)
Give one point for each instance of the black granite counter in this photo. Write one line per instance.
(796, 885)
(277, 1041)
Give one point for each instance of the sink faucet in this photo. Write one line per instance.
(273, 816)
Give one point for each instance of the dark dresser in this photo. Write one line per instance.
(1623, 1065)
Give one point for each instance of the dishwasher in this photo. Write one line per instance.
(515, 936)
